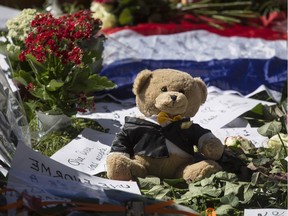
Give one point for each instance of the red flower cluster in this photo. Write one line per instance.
(60, 37)
(85, 104)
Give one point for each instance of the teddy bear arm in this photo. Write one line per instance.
(199, 170)
(120, 167)
(211, 147)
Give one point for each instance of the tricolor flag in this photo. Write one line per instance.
(239, 58)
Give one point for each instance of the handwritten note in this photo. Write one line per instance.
(86, 153)
(219, 110)
(111, 115)
(265, 212)
(30, 161)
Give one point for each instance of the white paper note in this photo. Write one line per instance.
(265, 212)
(87, 152)
(111, 116)
(219, 110)
(30, 161)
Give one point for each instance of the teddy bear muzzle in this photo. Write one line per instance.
(172, 103)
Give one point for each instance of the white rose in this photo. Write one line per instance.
(234, 141)
(101, 11)
(239, 142)
(274, 142)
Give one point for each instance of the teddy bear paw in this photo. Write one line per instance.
(138, 169)
(213, 149)
(200, 170)
(118, 167)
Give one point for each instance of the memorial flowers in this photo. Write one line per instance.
(217, 13)
(122, 12)
(64, 56)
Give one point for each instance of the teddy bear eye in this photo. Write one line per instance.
(164, 89)
(182, 91)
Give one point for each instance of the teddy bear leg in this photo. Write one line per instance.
(121, 167)
(200, 170)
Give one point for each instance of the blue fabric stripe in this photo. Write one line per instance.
(243, 75)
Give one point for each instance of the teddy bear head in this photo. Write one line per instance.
(167, 90)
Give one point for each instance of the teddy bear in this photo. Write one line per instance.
(164, 142)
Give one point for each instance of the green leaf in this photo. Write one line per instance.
(225, 210)
(148, 182)
(158, 192)
(230, 199)
(23, 77)
(91, 84)
(206, 181)
(36, 66)
(248, 193)
(209, 190)
(226, 176)
(162, 193)
(54, 85)
(174, 182)
(260, 161)
(232, 188)
(270, 129)
(255, 178)
(194, 191)
(212, 191)
(126, 17)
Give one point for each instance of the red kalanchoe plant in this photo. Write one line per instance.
(62, 53)
(60, 37)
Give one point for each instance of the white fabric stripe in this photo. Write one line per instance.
(197, 45)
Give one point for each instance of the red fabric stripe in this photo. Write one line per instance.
(259, 31)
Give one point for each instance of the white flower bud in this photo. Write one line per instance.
(101, 11)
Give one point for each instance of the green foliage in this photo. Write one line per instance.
(223, 190)
(226, 191)
(55, 140)
(58, 89)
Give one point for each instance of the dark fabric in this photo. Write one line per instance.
(142, 137)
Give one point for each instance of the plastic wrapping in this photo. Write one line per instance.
(13, 123)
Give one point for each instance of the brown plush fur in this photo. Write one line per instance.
(153, 90)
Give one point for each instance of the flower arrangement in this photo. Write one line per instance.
(122, 12)
(62, 57)
(217, 13)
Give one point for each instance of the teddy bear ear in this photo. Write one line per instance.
(140, 80)
(202, 87)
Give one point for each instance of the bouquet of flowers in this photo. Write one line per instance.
(217, 13)
(122, 12)
(58, 61)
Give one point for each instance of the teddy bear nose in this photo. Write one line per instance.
(173, 97)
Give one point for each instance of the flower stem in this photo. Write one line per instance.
(200, 5)
(283, 145)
